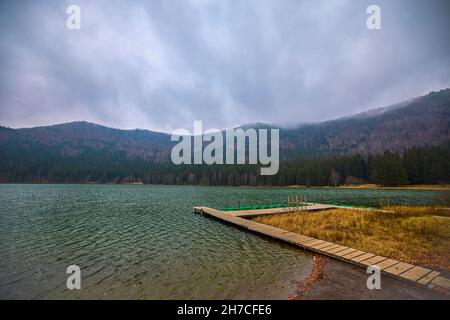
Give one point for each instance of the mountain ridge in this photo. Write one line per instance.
(363, 114)
(408, 143)
(417, 122)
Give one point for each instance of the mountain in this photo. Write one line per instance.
(72, 149)
(72, 139)
(423, 121)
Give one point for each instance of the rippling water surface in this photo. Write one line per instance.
(145, 241)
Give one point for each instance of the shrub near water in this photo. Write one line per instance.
(418, 235)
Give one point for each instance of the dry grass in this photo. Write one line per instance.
(375, 186)
(406, 187)
(418, 235)
(418, 210)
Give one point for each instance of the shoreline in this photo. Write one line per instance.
(335, 280)
(377, 187)
(410, 273)
(428, 187)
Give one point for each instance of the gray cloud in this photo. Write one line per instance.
(162, 64)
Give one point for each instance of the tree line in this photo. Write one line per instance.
(428, 165)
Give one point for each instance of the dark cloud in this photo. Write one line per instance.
(162, 64)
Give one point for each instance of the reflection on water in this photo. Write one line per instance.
(145, 242)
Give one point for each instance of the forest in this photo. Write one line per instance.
(427, 165)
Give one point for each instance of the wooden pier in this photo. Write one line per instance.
(389, 267)
(261, 212)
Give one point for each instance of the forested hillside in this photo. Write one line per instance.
(404, 144)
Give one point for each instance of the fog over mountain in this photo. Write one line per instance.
(160, 65)
(422, 121)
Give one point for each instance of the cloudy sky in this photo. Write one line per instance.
(161, 65)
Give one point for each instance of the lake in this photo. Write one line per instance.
(145, 242)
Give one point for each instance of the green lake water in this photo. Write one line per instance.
(135, 242)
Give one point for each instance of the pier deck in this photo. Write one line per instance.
(261, 212)
(390, 267)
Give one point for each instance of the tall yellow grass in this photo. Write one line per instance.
(418, 235)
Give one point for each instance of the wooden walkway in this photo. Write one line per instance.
(390, 267)
(260, 212)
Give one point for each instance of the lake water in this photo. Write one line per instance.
(135, 242)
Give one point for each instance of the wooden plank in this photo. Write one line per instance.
(267, 230)
(425, 280)
(415, 273)
(323, 245)
(398, 268)
(337, 249)
(344, 252)
(373, 261)
(270, 233)
(354, 254)
(387, 263)
(362, 257)
(238, 221)
(313, 243)
(332, 246)
(297, 238)
(327, 249)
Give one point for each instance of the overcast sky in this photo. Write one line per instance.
(160, 65)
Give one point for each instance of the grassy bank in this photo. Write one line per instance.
(407, 187)
(374, 186)
(418, 235)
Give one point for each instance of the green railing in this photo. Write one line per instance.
(255, 207)
(285, 205)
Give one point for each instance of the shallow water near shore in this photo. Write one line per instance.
(145, 242)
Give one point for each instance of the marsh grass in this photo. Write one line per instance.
(418, 235)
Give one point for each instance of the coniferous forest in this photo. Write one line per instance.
(427, 165)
